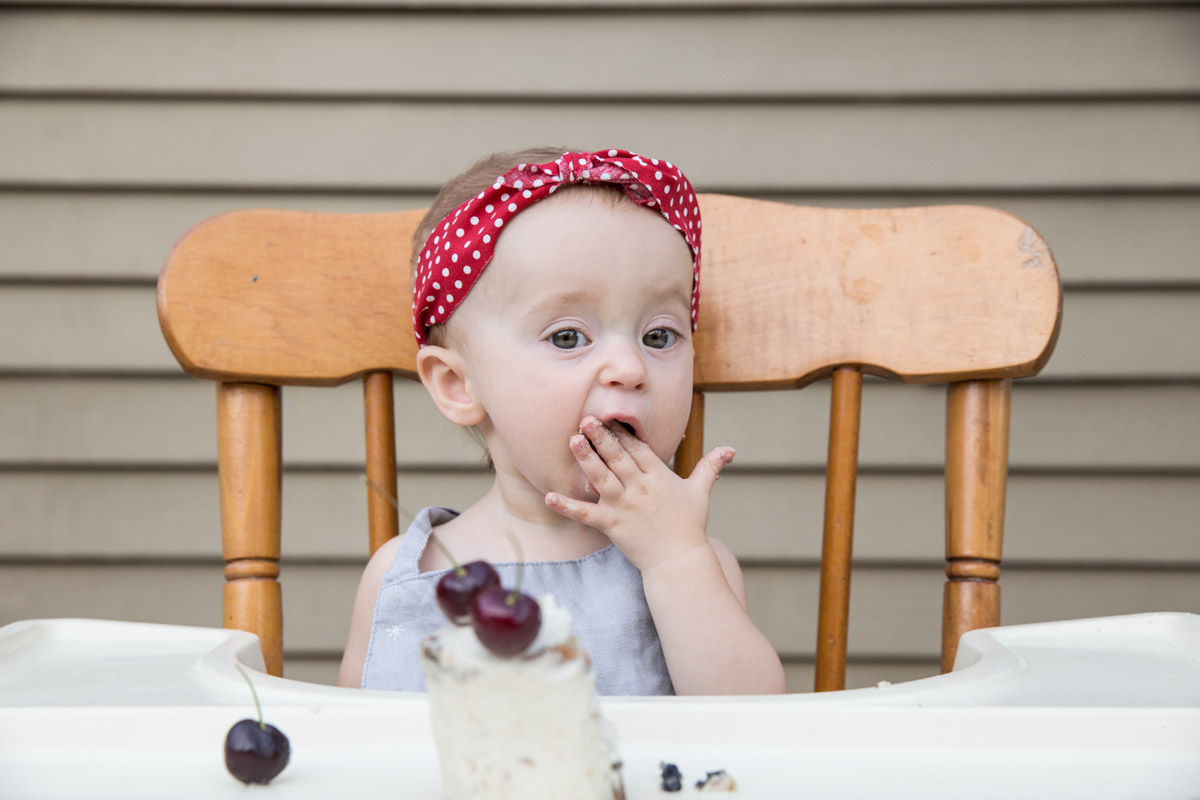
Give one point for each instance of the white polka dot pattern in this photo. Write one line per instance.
(461, 245)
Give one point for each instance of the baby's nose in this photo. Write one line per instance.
(624, 366)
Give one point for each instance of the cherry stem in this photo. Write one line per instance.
(458, 570)
(511, 600)
(253, 694)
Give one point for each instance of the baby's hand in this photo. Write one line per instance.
(650, 513)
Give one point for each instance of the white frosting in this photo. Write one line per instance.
(460, 648)
(521, 727)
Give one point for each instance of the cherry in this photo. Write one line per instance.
(506, 622)
(254, 751)
(457, 589)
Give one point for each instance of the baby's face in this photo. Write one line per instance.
(584, 310)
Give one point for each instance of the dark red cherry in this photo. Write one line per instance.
(457, 589)
(506, 622)
(255, 752)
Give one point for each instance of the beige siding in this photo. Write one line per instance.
(121, 125)
(838, 53)
(132, 421)
(1100, 240)
(765, 516)
(1133, 333)
(827, 145)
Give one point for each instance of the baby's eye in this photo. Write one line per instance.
(568, 339)
(659, 338)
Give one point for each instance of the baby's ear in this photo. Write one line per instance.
(444, 374)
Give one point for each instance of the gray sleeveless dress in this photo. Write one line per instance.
(603, 592)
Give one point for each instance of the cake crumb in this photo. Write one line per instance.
(717, 781)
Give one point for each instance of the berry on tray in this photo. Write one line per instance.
(254, 751)
(672, 778)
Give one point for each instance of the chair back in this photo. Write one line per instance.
(967, 296)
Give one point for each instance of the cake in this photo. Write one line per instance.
(521, 726)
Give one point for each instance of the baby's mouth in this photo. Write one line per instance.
(609, 424)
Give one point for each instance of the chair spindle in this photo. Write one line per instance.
(380, 426)
(248, 457)
(691, 449)
(841, 479)
(977, 422)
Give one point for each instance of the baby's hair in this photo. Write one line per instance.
(470, 182)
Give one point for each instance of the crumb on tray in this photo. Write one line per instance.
(717, 781)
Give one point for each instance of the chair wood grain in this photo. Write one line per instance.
(291, 297)
(962, 295)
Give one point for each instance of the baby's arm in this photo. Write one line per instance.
(693, 584)
(350, 673)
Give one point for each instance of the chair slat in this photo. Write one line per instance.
(249, 449)
(841, 480)
(291, 297)
(977, 425)
(379, 419)
(917, 295)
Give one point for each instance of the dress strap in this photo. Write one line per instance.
(415, 540)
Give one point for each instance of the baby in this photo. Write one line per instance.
(555, 298)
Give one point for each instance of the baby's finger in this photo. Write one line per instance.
(609, 447)
(588, 513)
(709, 469)
(595, 469)
(639, 451)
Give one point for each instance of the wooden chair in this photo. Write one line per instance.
(962, 295)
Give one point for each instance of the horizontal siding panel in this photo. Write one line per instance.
(1129, 335)
(172, 421)
(1051, 519)
(895, 613)
(755, 53)
(1053, 427)
(1097, 240)
(164, 515)
(898, 612)
(416, 145)
(1142, 334)
(92, 328)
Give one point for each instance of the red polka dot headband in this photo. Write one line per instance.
(461, 245)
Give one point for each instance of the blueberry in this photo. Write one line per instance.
(672, 779)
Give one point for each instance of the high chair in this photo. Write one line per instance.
(962, 295)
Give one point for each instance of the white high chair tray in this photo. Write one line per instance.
(1089, 708)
